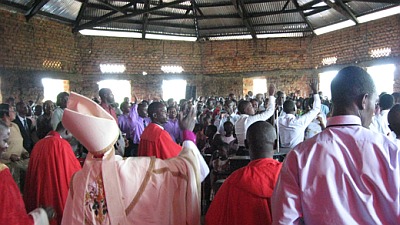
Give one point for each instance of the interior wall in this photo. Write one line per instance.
(215, 68)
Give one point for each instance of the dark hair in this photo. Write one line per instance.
(4, 110)
(242, 106)
(386, 101)
(153, 108)
(394, 119)
(349, 84)
(60, 96)
(103, 92)
(289, 106)
(259, 134)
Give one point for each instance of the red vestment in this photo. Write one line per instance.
(155, 141)
(50, 169)
(12, 209)
(244, 197)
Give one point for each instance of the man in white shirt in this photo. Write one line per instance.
(248, 117)
(292, 128)
(62, 99)
(227, 114)
(380, 121)
(347, 174)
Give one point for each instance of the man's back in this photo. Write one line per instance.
(244, 198)
(50, 170)
(155, 141)
(345, 175)
(152, 191)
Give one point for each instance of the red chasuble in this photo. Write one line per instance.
(50, 169)
(244, 197)
(155, 141)
(12, 209)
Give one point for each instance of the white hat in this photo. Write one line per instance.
(94, 127)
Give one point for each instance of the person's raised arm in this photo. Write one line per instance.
(187, 123)
(269, 111)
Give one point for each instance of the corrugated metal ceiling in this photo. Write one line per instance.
(202, 19)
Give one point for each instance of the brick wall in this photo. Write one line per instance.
(216, 68)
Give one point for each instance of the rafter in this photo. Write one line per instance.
(380, 1)
(80, 14)
(108, 5)
(196, 24)
(145, 18)
(105, 16)
(296, 4)
(241, 9)
(37, 5)
(339, 9)
(91, 24)
(348, 10)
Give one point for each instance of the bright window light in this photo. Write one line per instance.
(52, 87)
(175, 89)
(237, 37)
(259, 86)
(107, 33)
(126, 34)
(380, 52)
(329, 60)
(333, 27)
(112, 68)
(325, 80)
(380, 14)
(172, 69)
(383, 76)
(170, 37)
(297, 34)
(119, 88)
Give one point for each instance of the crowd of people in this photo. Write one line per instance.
(88, 161)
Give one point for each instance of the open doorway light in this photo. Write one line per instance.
(119, 88)
(52, 87)
(175, 89)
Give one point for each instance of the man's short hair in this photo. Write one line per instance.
(60, 96)
(259, 134)
(4, 110)
(386, 101)
(103, 92)
(394, 119)
(242, 106)
(349, 84)
(289, 106)
(153, 108)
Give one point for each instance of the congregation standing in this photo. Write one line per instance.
(341, 166)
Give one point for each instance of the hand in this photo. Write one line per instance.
(51, 214)
(25, 155)
(271, 89)
(135, 97)
(187, 122)
(14, 157)
(314, 86)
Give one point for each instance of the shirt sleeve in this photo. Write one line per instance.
(134, 113)
(204, 170)
(307, 118)
(286, 205)
(262, 116)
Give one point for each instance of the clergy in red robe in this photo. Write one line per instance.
(244, 197)
(155, 141)
(50, 170)
(12, 208)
